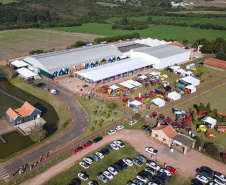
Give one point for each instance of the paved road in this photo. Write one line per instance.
(186, 165)
(80, 122)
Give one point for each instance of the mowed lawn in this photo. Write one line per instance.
(158, 32)
(102, 165)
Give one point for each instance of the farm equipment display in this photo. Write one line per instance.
(166, 98)
(221, 129)
(154, 115)
(201, 128)
(152, 94)
(210, 134)
(176, 123)
(181, 86)
(125, 99)
(159, 91)
(145, 96)
(168, 120)
(153, 81)
(186, 123)
(161, 116)
(161, 96)
(168, 88)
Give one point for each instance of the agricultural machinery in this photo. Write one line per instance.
(201, 128)
(159, 91)
(152, 94)
(166, 98)
(176, 123)
(125, 99)
(168, 120)
(221, 129)
(168, 88)
(154, 115)
(145, 96)
(161, 116)
(181, 86)
(210, 134)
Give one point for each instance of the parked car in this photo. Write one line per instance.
(147, 174)
(119, 143)
(95, 157)
(137, 162)
(102, 178)
(83, 176)
(132, 122)
(86, 145)
(141, 158)
(165, 171)
(97, 139)
(84, 164)
(152, 183)
(149, 130)
(151, 150)
(77, 150)
(142, 178)
(165, 176)
(108, 175)
(153, 165)
(218, 181)
(53, 91)
(104, 151)
(158, 180)
(144, 127)
(112, 170)
(100, 155)
(119, 127)
(117, 167)
(84, 86)
(220, 176)
(208, 172)
(88, 160)
(196, 182)
(110, 132)
(171, 170)
(137, 182)
(122, 164)
(212, 183)
(202, 178)
(114, 146)
(150, 170)
(75, 182)
(109, 148)
(129, 162)
(92, 183)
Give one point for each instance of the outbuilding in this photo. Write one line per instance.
(17, 64)
(26, 73)
(174, 96)
(159, 102)
(191, 80)
(210, 121)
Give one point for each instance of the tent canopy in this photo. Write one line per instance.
(209, 120)
(191, 88)
(136, 103)
(19, 63)
(181, 71)
(174, 68)
(159, 102)
(189, 73)
(154, 73)
(191, 80)
(131, 84)
(143, 77)
(25, 73)
(114, 87)
(174, 96)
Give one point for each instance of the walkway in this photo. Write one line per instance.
(186, 165)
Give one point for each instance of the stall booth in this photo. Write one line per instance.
(191, 88)
(143, 77)
(191, 80)
(174, 96)
(159, 102)
(180, 72)
(136, 104)
(210, 121)
(189, 73)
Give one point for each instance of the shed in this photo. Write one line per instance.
(26, 73)
(19, 64)
(174, 96)
(136, 104)
(191, 88)
(191, 80)
(212, 122)
(159, 102)
(114, 87)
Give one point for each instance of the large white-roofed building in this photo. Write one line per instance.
(163, 55)
(59, 63)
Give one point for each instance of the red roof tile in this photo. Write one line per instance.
(12, 113)
(167, 129)
(215, 63)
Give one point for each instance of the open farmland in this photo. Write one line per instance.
(158, 32)
(199, 12)
(8, 1)
(16, 43)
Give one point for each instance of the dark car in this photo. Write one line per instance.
(141, 158)
(117, 167)
(149, 130)
(139, 75)
(148, 106)
(101, 177)
(129, 182)
(150, 170)
(104, 151)
(84, 86)
(206, 171)
(122, 164)
(75, 182)
(144, 127)
(97, 139)
(86, 145)
(158, 180)
(109, 148)
(196, 182)
(93, 183)
(41, 84)
(146, 174)
(165, 176)
(95, 157)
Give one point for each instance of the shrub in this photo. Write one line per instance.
(198, 142)
(92, 129)
(107, 116)
(101, 121)
(211, 149)
(99, 125)
(112, 106)
(95, 112)
(136, 116)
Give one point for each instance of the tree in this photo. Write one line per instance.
(149, 19)
(124, 21)
(79, 43)
(185, 42)
(112, 106)
(37, 134)
(211, 149)
(9, 72)
(198, 142)
(107, 116)
(221, 56)
(200, 75)
(201, 107)
(208, 108)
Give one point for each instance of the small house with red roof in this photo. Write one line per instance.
(21, 115)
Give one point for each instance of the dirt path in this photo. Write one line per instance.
(186, 165)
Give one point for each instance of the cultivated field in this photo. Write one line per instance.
(158, 32)
(16, 43)
(199, 12)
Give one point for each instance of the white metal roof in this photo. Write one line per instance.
(159, 102)
(152, 42)
(135, 102)
(19, 63)
(174, 96)
(154, 73)
(189, 79)
(26, 72)
(130, 84)
(143, 77)
(114, 87)
(114, 68)
(52, 62)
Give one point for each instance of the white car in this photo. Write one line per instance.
(152, 183)
(142, 178)
(84, 164)
(83, 176)
(108, 175)
(219, 181)
(88, 160)
(212, 183)
(202, 178)
(112, 170)
(114, 146)
(119, 127)
(119, 143)
(132, 122)
(151, 150)
(165, 171)
(220, 176)
(154, 165)
(111, 132)
(100, 155)
(128, 161)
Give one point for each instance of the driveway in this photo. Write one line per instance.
(186, 165)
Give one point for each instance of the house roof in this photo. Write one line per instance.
(167, 129)
(12, 113)
(215, 62)
(185, 140)
(176, 43)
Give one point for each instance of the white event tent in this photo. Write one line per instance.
(114, 87)
(159, 102)
(191, 88)
(143, 77)
(212, 122)
(191, 80)
(130, 84)
(174, 96)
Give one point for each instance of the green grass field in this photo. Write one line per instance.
(8, 1)
(158, 32)
(141, 18)
(199, 12)
(107, 4)
(100, 166)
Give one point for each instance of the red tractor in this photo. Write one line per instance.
(166, 98)
(152, 94)
(154, 115)
(180, 126)
(188, 129)
(139, 80)
(168, 120)
(153, 81)
(186, 123)
(175, 123)
(145, 96)
(161, 116)
(125, 99)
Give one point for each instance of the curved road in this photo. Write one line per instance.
(186, 166)
(80, 122)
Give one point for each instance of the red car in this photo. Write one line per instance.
(171, 170)
(86, 145)
(77, 150)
